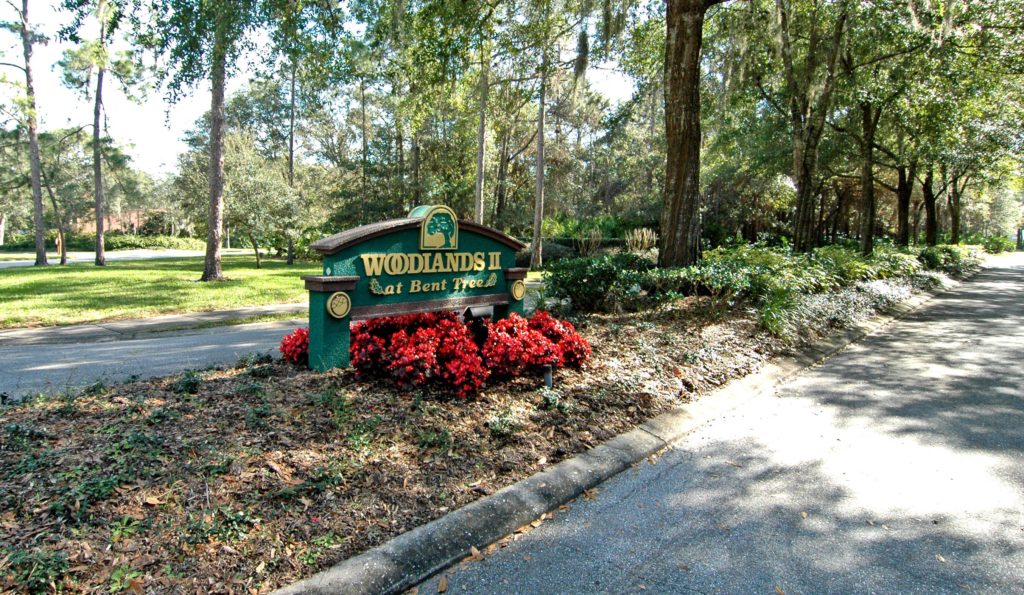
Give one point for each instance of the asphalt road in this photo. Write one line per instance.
(53, 368)
(896, 466)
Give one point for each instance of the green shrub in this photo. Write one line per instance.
(777, 311)
(761, 273)
(121, 241)
(601, 283)
(997, 244)
(948, 258)
(892, 263)
(189, 383)
(111, 241)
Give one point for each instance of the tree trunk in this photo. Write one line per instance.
(916, 208)
(809, 101)
(33, 140)
(953, 202)
(834, 231)
(931, 221)
(97, 170)
(291, 161)
(485, 63)
(62, 247)
(803, 228)
(869, 123)
(362, 133)
(1020, 238)
(215, 219)
(255, 249)
(536, 246)
(501, 183)
(3, 227)
(417, 194)
(400, 142)
(904, 192)
(680, 214)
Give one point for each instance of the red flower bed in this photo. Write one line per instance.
(573, 349)
(439, 349)
(295, 346)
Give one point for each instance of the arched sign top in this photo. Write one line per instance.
(357, 235)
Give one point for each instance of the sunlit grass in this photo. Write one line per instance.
(80, 293)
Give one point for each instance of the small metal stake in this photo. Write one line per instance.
(549, 380)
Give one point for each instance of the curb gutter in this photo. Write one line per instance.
(414, 556)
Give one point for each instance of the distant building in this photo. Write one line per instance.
(130, 221)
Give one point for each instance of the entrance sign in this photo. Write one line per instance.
(426, 262)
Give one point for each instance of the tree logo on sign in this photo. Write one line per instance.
(439, 230)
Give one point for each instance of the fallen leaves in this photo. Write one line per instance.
(442, 584)
(267, 506)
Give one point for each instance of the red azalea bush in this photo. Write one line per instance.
(414, 349)
(438, 348)
(295, 346)
(573, 349)
(512, 348)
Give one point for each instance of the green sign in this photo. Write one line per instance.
(428, 261)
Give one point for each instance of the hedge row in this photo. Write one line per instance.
(111, 241)
(630, 282)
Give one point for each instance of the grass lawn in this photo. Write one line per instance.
(80, 293)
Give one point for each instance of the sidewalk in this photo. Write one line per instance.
(132, 329)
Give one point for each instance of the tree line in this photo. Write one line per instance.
(808, 120)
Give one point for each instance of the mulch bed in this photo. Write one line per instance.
(266, 473)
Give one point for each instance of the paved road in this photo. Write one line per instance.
(897, 466)
(30, 369)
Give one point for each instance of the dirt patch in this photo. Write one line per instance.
(246, 479)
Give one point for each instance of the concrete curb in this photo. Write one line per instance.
(416, 555)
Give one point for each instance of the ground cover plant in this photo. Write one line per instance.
(787, 290)
(80, 293)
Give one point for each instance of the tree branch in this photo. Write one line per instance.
(21, 68)
(771, 102)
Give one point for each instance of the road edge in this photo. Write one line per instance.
(418, 554)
